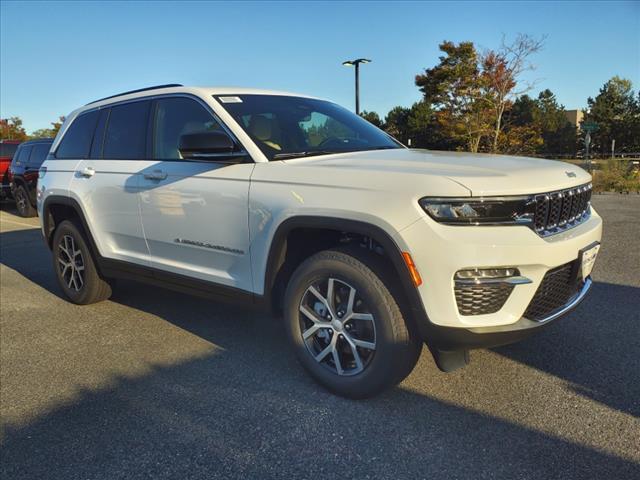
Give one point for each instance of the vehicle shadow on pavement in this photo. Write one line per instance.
(249, 411)
(223, 416)
(595, 348)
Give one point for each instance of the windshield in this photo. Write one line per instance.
(288, 127)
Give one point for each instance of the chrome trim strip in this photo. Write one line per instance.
(194, 156)
(526, 324)
(195, 243)
(574, 223)
(519, 280)
(569, 306)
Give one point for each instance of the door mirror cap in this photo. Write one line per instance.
(209, 146)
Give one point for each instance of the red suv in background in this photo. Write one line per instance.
(7, 150)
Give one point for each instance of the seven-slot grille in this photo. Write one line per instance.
(557, 211)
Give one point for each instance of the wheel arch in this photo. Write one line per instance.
(279, 246)
(57, 208)
(19, 180)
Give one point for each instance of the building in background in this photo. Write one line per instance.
(574, 117)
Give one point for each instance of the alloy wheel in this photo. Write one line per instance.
(337, 327)
(21, 201)
(71, 263)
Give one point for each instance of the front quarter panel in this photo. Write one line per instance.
(280, 191)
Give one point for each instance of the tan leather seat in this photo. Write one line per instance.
(262, 128)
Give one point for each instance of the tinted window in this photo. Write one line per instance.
(175, 117)
(16, 156)
(38, 154)
(77, 140)
(98, 136)
(22, 154)
(126, 135)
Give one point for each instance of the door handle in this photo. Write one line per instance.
(156, 175)
(88, 172)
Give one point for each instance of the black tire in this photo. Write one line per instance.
(23, 204)
(92, 288)
(397, 347)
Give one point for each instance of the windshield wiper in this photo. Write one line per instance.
(310, 153)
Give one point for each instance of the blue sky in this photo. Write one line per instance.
(55, 56)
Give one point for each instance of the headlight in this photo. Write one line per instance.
(481, 211)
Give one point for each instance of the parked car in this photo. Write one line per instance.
(23, 174)
(7, 150)
(294, 203)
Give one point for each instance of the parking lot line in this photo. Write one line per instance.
(18, 223)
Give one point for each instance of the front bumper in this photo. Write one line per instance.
(448, 338)
(439, 251)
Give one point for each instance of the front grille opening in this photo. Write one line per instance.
(560, 210)
(558, 287)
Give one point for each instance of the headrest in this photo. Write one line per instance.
(261, 127)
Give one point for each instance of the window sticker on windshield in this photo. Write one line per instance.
(230, 99)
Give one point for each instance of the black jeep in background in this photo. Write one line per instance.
(23, 174)
(7, 151)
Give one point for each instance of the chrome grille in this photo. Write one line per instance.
(560, 210)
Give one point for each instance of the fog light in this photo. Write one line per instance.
(478, 273)
(485, 276)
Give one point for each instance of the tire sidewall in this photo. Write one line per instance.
(381, 367)
(21, 194)
(90, 274)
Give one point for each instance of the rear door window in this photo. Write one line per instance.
(98, 136)
(126, 133)
(77, 140)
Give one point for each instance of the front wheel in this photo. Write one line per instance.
(77, 273)
(345, 325)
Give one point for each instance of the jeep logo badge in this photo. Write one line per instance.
(570, 174)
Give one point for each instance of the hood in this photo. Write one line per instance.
(482, 174)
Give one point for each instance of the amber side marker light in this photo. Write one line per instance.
(415, 276)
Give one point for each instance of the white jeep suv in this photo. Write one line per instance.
(369, 249)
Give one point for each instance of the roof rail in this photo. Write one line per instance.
(136, 91)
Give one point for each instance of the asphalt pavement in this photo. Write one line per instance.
(155, 384)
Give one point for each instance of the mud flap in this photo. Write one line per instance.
(450, 360)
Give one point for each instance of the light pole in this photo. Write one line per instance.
(356, 63)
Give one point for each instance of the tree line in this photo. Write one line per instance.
(477, 101)
(12, 129)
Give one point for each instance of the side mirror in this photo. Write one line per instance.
(211, 146)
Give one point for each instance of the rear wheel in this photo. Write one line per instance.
(345, 325)
(74, 266)
(23, 204)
